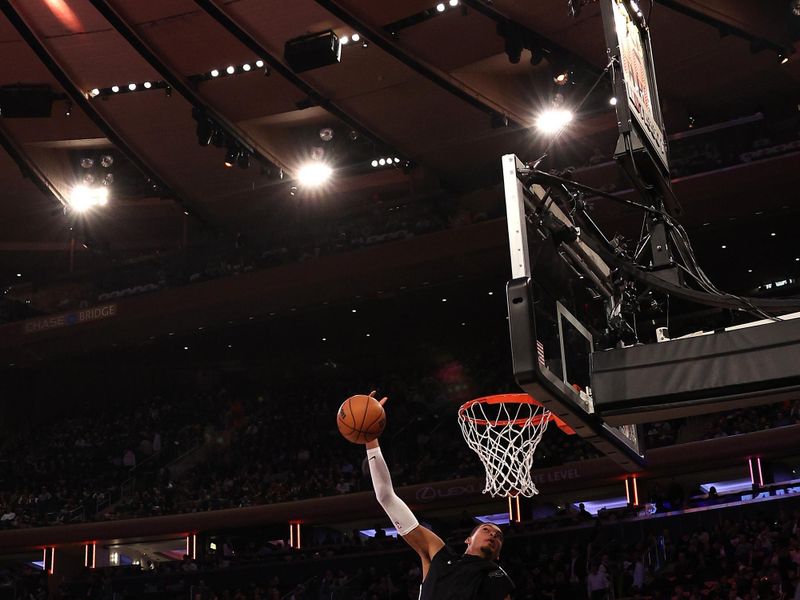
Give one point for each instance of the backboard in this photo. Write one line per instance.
(557, 303)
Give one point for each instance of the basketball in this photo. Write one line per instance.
(361, 419)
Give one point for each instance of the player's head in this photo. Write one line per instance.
(486, 541)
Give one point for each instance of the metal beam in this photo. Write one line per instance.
(248, 40)
(543, 43)
(440, 78)
(751, 21)
(78, 97)
(28, 168)
(177, 81)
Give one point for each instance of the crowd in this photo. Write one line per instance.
(733, 553)
(273, 445)
(72, 469)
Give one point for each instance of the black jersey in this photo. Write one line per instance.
(464, 577)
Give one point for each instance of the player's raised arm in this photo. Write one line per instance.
(421, 539)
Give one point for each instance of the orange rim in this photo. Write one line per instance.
(511, 399)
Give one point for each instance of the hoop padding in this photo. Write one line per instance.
(504, 431)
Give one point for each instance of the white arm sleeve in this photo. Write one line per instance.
(397, 510)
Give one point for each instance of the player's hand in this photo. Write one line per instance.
(382, 401)
(374, 443)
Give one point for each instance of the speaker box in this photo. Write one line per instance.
(312, 51)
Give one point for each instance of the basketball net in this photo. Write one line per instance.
(504, 432)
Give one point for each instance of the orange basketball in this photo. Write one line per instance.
(361, 419)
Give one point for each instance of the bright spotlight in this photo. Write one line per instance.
(132, 86)
(343, 40)
(453, 2)
(374, 163)
(214, 72)
(115, 88)
(259, 63)
(553, 120)
(83, 198)
(440, 7)
(355, 37)
(314, 174)
(246, 67)
(382, 162)
(147, 85)
(230, 70)
(94, 92)
(612, 101)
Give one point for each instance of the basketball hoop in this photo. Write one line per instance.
(504, 430)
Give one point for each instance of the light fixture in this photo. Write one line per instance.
(382, 161)
(374, 163)
(95, 92)
(553, 120)
(214, 73)
(440, 7)
(314, 174)
(147, 85)
(773, 234)
(83, 198)
(230, 70)
(230, 157)
(444, 299)
(783, 58)
(453, 2)
(612, 101)
(353, 310)
(749, 270)
(491, 293)
(344, 40)
(355, 37)
(19, 274)
(246, 67)
(259, 63)
(115, 88)
(132, 86)
(561, 78)
(724, 246)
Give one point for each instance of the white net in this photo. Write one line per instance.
(504, 435)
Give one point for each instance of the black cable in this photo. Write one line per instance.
(723, 299)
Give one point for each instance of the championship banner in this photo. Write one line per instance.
(68, 319)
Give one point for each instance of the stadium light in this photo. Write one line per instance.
(553, 120)
(314, 174)
(84, 198)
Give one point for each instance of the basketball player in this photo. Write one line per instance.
(445, 575)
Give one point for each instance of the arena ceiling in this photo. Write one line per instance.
(436, 89)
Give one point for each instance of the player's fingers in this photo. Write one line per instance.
(383, 400)
(372, 393)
